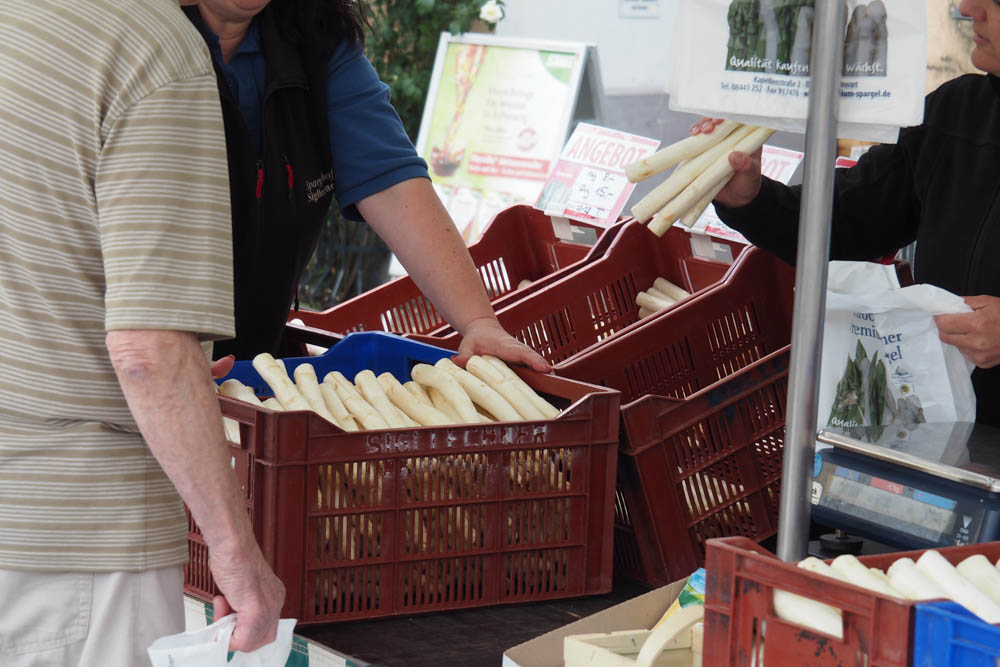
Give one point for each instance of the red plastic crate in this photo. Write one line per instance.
(385, 523)
(596, 302)
(703, 467)
(741, 627)
(519, 244)
(711, 341)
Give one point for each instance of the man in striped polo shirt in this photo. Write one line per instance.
(115, 267)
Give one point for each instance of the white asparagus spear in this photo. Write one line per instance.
(425, 415)
(440, 403)
(481, 393)
(675, 292)
(879, 574)
(336, 407)
(429, 376)
(808, 613)
(548, 410)
(308, 386)
(501, 383)
(232, 428)
(855, 572)
(233, 388)
(644, 313)
(657, 294)
(362, 412)
(719, 171)
(981, 572)
(386, 381)
(958, 588)
(372, 391)
(814, 564)
(692, 214)
(418, 392)
(677, 152)
(644, 300)
(274, 374)
(685, 174)
(273, 404)
(911, 582)
(407, 403)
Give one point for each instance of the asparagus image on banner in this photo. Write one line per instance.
(701, 170)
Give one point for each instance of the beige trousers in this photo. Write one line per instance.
(87, 619)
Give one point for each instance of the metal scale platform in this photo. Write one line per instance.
(910, 487)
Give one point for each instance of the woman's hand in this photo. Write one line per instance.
(744, 186)
(486, 336)
(975, 334)
(221, 367)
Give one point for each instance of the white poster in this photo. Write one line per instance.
(749, 60)
(497, 115)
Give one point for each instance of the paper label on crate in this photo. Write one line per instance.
(776, 163)
(750, 59)
(588, 183)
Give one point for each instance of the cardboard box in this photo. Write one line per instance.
(639, 612)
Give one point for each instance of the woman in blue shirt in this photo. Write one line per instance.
(307, 120)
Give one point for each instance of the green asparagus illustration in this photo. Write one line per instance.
(849, 401)
(877, 390)
(768, 30)
(745, 33)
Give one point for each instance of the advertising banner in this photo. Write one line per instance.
(498, 112)
(749, 60)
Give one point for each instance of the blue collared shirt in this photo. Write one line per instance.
(369, 147)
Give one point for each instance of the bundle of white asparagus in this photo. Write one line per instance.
(702, 170)
(486, 390)
(974, 583)
(661, 295)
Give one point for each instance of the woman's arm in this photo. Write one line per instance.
(410, 218)
(380, 176)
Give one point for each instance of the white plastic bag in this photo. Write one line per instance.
(209, 647)
(749, 60)
(883, 360)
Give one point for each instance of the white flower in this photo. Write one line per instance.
(491, 12)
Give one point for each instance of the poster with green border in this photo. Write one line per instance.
(497, 115)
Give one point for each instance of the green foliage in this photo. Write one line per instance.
(401, 43)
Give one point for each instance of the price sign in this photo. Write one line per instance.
(588, 183)
(594, 193)
(779, 164)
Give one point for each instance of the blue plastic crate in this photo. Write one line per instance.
(945, 634)
(376, 351)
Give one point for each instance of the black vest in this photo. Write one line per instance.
(279, 197)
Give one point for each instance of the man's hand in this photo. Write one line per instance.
(253, 591)
(744, 186)
(975, 334)
(486, 336)
(167, 382)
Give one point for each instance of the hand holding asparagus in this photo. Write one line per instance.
(720, 161)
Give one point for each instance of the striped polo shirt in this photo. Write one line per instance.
(114, 214)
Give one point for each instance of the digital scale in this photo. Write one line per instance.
(910, 487)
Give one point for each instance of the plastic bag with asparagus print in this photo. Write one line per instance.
(883, 361)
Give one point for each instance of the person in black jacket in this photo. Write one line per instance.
(307, 120)
(937, 186)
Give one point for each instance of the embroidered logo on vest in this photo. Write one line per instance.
(319, 187)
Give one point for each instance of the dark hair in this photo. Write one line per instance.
(321, 24)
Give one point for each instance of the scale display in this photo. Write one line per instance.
(912, 486)
(916, 512)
